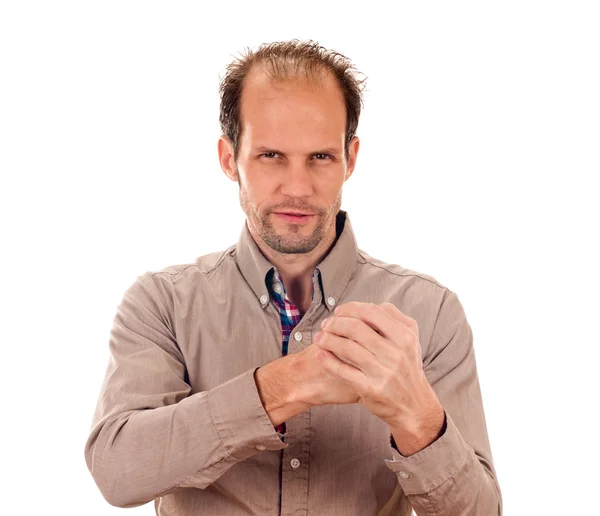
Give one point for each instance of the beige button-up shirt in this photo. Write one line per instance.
(179, 420)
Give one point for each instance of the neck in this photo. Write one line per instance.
(297, 269)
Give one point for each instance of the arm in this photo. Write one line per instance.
(455, 473)
(149, 436)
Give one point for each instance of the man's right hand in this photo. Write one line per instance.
(294, 383)
(315, 385)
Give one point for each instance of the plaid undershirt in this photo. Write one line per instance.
(289, 315)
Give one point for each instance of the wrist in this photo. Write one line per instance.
(412, 438)
(277, 391)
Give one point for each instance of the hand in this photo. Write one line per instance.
(382, 344)
(315, 384)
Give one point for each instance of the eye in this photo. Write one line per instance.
(270, 155)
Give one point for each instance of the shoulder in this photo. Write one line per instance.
(197, 271)
(392, 273)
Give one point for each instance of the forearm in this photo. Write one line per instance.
(449, 477)
(453, 474)
(412, 440)
(135, 456)
(277, 390)
(138, 455)
(149, 436)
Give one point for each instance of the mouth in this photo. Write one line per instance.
(295, 217)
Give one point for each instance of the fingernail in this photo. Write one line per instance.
(318, 336)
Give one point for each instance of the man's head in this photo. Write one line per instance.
(289, 113)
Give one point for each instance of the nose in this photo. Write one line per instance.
(297, 180)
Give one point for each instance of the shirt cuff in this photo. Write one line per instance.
(427, 469)
(240, 419)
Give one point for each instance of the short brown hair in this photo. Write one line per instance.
(286, 60)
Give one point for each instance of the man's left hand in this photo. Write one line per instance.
(383, 347)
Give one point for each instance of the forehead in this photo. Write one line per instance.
(297, 111)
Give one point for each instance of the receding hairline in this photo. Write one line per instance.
(316, 78)
(296, 60)
(291, 71)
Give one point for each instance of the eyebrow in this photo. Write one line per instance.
(325, 150)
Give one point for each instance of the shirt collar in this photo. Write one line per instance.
(335, 268)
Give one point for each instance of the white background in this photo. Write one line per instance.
(478, 165)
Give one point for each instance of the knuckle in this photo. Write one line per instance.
(354, 324)
(370, 308)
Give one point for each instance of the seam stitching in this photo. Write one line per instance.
(405, 275)
(216, 427)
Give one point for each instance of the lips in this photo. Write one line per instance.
(294, 219)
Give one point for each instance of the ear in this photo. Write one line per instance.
(225, 150)
(353, 154)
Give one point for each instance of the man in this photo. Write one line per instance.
(292, 373)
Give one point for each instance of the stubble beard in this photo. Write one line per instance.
(291, 241)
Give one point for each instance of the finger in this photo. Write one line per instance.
(395, 312)
(346, 373)
(356, 330)
(373, 315)
(348, 350)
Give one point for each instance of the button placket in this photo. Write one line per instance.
(294, 495)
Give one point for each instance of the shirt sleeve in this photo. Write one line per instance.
(149, 436)
(455, 474)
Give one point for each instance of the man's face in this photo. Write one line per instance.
(291, 159)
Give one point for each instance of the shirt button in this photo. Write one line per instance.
(330, 301)
(261, 447)
(263, 299)
(298, 336)
(403, 474)
(277, 288)
(295, 463)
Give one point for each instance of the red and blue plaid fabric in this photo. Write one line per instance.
(288, 313)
